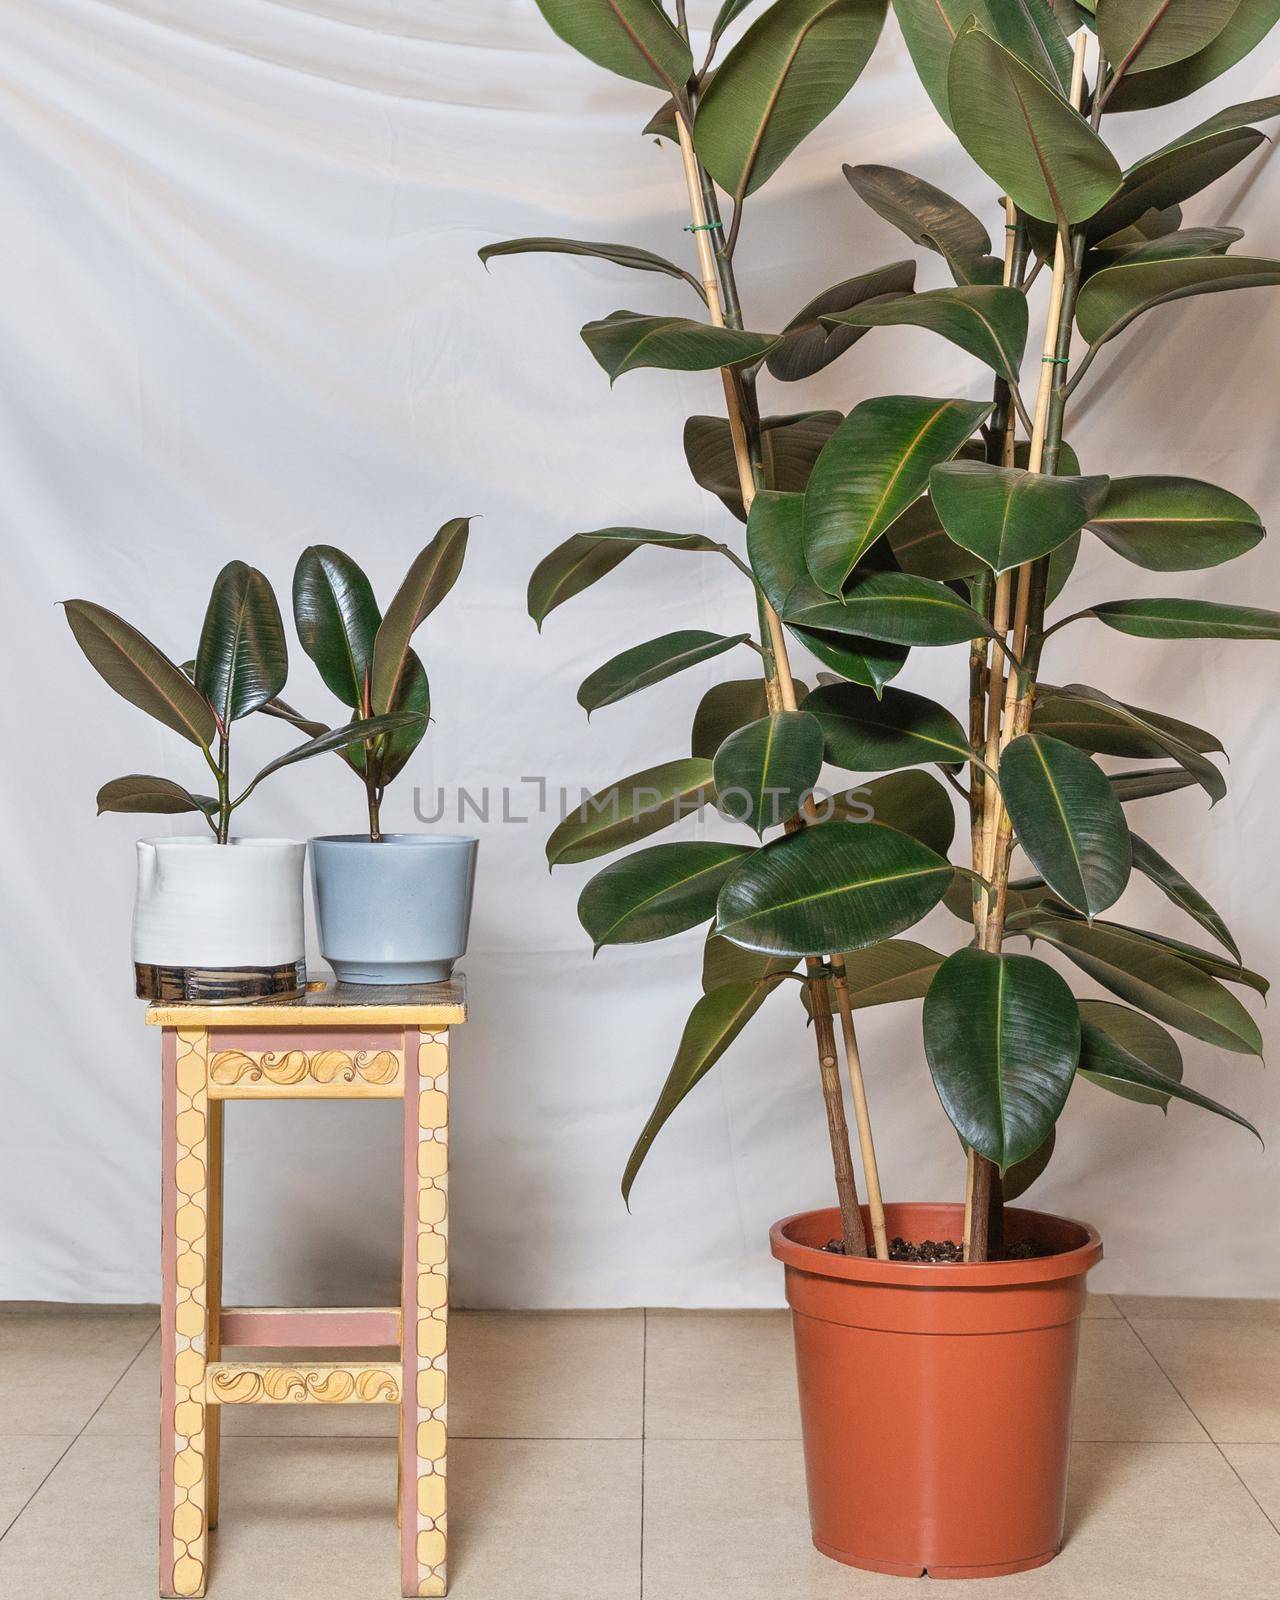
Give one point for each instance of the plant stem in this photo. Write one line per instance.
(224, 799)
(373, 795)
(779, 685)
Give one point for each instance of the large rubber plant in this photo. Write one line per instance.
(921, 521)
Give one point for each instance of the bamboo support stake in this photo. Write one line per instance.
(861, 1113)
(782, 695)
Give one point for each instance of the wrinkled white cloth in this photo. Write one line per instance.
(241, 311)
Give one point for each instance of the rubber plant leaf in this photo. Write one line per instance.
(634, 38)
(139, 672)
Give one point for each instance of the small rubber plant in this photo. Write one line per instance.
(240, 666)
(922, 522)
(366, 659)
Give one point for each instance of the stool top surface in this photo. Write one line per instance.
(328, 1003)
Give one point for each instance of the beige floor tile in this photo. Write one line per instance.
(1145, 1522)
(55, 1368)
(1163, 1306)
(1227, 1372)
(546, 1375)
(23, 1465)
(1259, 1466)
(1121, 1394)
(1100, 1305)
(720, 1375)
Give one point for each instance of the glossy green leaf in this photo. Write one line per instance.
(723, 963)
(866, 734)
(634, 38)
(775, 547)
(1028, 28)
(1019, 1178)
(1067, 820)
(1168, 247)
(243, 659)
(728, 706)
(929, 218)
(895, 969)
(585, 558)
(1061, 564)
(1108, 1031)
(1112, 298)
(622, 255)
(1175, 887)
(630, 810)
(1141, 35)
(841, 886)
(413, 694)
(897, 608)
(789, 446)
(433, 573)
(1250, 22)
(1207, 961)
(920, 545)
(989, 322)
(787, 73)
(876, 463)
(651, 662)
(911, 801)
(1186, 619)
(715, 1022)
(140, 791)
(1129, 786)
(1153, 978)
(863, 661)
(625, 340)
(1024, 135)
(1002, 1038)
(337, 620)
(139, 672)
(1093, 721)
(808, 344)
(358, 732)
(1170, 524)
(729, 11)
(765, 771)
(1154, 186)
(284, 712)
(1008, 516)
(1115, 1068)
(657, 892)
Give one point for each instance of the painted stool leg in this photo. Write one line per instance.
(184, 1556)
(424, 1314)
(213, 1414)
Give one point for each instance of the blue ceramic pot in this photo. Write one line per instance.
(396, 911)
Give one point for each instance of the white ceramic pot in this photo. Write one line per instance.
(219, 922)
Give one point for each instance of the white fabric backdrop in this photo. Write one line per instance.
(240, 311)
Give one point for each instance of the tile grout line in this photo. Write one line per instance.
(1226, 1458)
(644, 1428)
(128, 1368)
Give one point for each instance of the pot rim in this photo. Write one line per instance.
(200, 841)
(931, 1274)
(405, 840)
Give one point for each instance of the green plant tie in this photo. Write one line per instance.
(1056, 361)
(702, 227)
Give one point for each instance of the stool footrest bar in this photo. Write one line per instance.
(241, 1383)
(311, 1327)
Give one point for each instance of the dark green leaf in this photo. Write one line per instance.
(723, 963)
(243, 660)
(808, 344)
(786, 74)
(1154, 186)
(1019, 1178)
(1153, 978)
(1144, 785)
(1111, 727)
(1250, 22)
(1002, 1037)
(920, 545)
(1169, 247)
(1008, 516)
(1108, 1031)
(412, 695)
(650, 663)
(775, 547)
(929, 218)
(1028, 28)
(911, 801)
(1186, 619)
(625, 340)
(634, 38)
(864, 661)
(989, 322)
(728, 12)
(358, 732)
(1112, 298)
(1208, 961)
(765, 771)
(139, 672)
(1022, 133)
(876, 463)
(1171, 883)
(1175, 524)
(622, 255)
(433, 573)
(840, 886)
(897, 969)
(284, 712)
(714, 1023)
(631, 809)
(1068, 820)
(656, 892)
(866, 734)
(1115, 1068)
(337, 620)
(725, 708)
(789, 447)
(1141, 35)
(895, 607)
(1061, 564)
(141, 792)
(585, 558)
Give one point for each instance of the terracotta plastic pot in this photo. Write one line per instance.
(935, 1400)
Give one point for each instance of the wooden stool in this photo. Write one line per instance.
(338, 1042)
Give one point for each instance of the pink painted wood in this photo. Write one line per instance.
(308, 1039)
(359, 1327)
(168, 1273)
(409, 1337)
